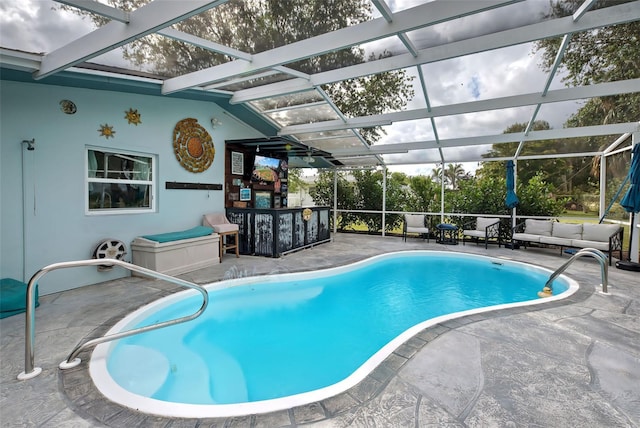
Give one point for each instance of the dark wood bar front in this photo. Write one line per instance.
(277, 231)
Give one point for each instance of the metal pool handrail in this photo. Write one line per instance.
(592, 252)
(29, 348)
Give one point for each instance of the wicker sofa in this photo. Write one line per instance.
(603, 237)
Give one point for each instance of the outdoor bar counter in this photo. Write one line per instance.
(277, 231)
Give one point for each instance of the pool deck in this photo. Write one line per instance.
(571, 363)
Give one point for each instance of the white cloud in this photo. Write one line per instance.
(502, 72)
(34, 26)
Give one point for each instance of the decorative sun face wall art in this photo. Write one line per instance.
(193, 145)
(106, 131)
(133, 117)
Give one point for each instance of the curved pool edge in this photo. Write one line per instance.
(107, 387)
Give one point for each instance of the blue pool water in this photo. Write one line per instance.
(284, 335)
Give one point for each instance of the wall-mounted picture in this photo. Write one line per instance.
(262, 199)
(237, 163)
(245, 194)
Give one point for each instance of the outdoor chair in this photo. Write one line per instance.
(224, 228)
(486, 229)
(414, 223)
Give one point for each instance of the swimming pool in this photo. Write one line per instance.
(275, 342)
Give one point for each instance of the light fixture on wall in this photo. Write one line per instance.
(258, 149)
(215, 122)
(30, 143)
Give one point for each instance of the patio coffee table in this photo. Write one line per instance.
(447, 234)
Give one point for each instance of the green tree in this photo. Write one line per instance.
(364, 190)
(369, 188)
(423, 195)
(256, 26)
(480, 195)
(537, 199)
(436, 174)
(322, 194)
(565, 174)
(453, 174)
(486, 195)
(295, 182)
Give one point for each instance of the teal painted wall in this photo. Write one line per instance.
(51, 226)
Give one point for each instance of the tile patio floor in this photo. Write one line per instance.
(574, 363)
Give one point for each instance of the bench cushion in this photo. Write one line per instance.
(598, 245)
(526, 237)
(567, 230)
(554, 240)
(195, 232)
(13, 297)
(483, 222)
(538, 227)
(414, 220)
(474, 233)
(599, 232)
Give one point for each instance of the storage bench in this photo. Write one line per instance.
(176, 253)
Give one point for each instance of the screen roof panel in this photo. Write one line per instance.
(472, 64)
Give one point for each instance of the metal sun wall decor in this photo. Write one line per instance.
(106, 131)
(193, 145)
(132, 116)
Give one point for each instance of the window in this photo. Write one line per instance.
(120, 182)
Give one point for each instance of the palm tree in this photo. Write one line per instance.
(436, 174)
(453, 174)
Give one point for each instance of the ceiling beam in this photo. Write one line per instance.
(549, 134)
(588, 4)
(225, 50)
(143, 21)
(496, 159)
(101, 9)
(558, 95)
(204, 43)
(557, 27)
(410, 19)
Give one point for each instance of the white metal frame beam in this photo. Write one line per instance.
(552, 73)
(101, 9)
(143, 21)
(613, 15)
(497, 159)
(410, 19)
(565, 94)
(225, 50)
(550, 134)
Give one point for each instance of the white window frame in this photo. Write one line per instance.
(152, 183)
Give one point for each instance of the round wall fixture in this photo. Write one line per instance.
(109, 249)
(193, 145)
(68, 107)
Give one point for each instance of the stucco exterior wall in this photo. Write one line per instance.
(42, 198)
